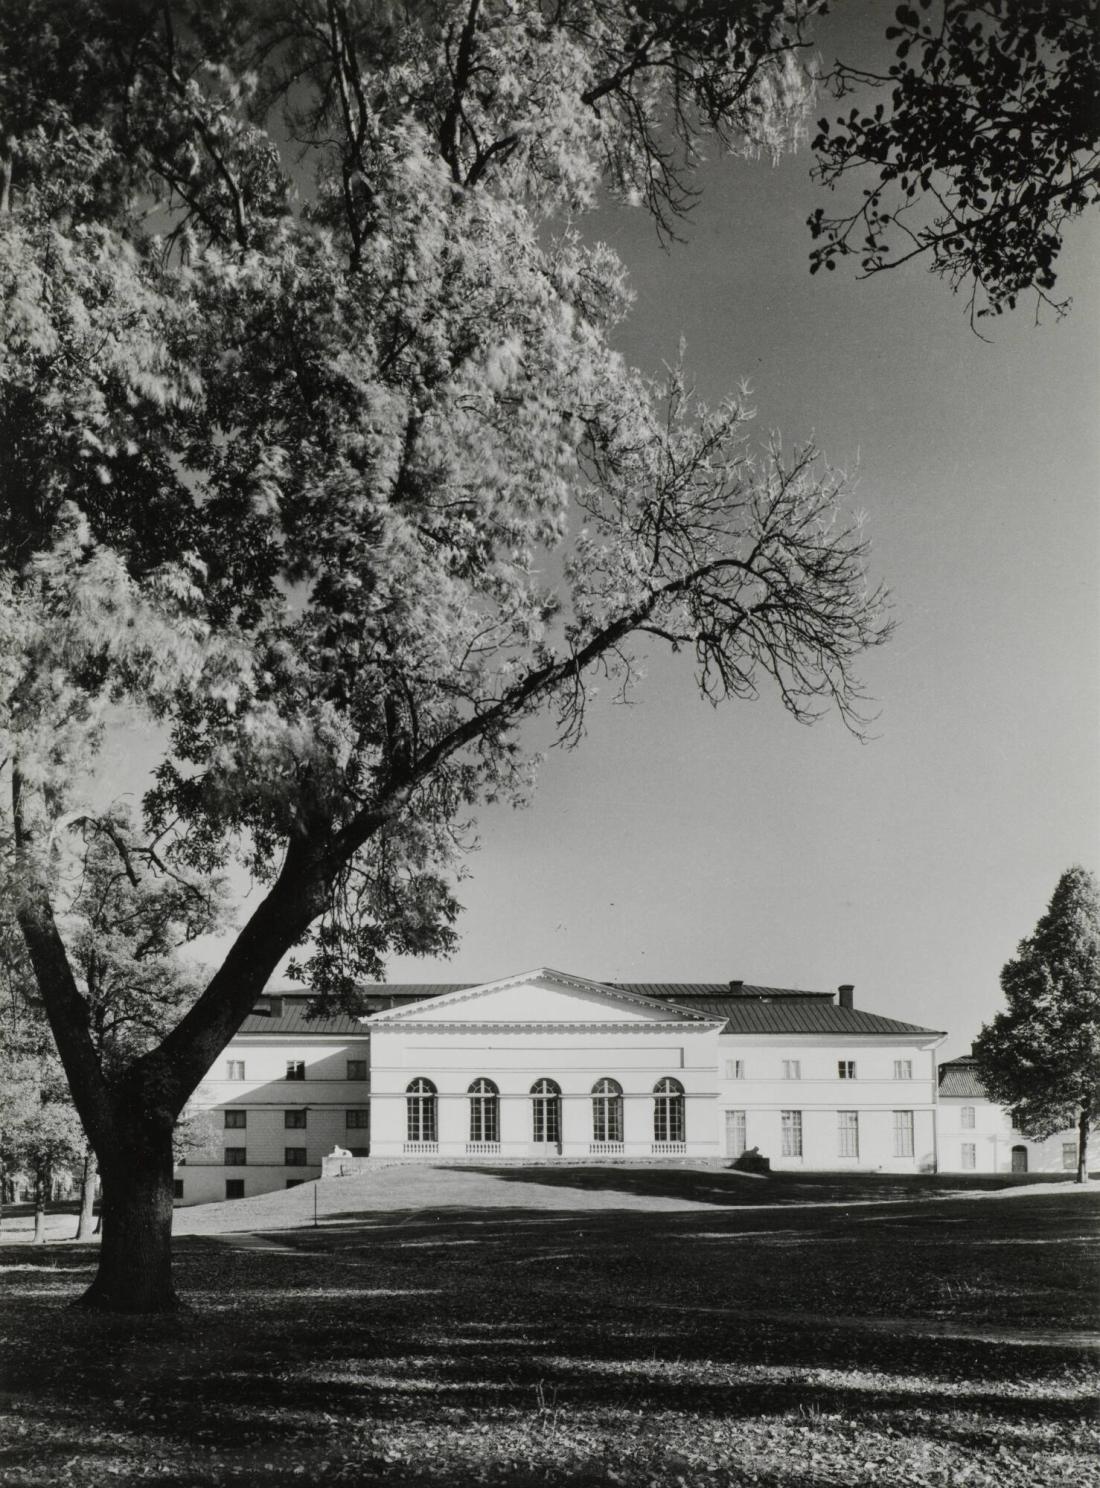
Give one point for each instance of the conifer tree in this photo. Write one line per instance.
(1041, 1057)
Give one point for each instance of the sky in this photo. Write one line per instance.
(682, 842)
(686, 843)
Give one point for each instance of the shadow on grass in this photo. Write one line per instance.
(395, 1328)
(726, 1186)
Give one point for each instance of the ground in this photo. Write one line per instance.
(576, 1327)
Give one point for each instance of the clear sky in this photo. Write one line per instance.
(682, 842)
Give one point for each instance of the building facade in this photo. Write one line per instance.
(976, 1136)
(547, 1066)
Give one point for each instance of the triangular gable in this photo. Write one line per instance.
(541, 996)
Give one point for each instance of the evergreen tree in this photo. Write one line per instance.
(1041, 1057)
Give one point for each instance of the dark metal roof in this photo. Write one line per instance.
(960, 1077)
(293, 1020)
(674, 991)
(749, 1010)
(292, 1016)
(793, 1015)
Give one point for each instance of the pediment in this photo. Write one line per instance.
(542, 996)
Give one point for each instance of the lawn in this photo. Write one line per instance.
(577, 1327)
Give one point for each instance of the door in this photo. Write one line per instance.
(1019, 1159)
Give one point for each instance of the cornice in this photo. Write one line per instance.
(536, 1026)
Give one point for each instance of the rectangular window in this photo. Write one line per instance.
(177, 1188)
(274, 1007)
(903, 1134)
(420, 1113)
(792, 1069)
(607, 1118)
(357, 1120)
(847, 1133)
(969, 1155)
(295, 1069)
(736, 1133)
(966, 1118)
(294, 1120)
(294, 1157)
(236, 1157)
(735, 1069)
(234, 1188)
(236, 1120)
(357, 1069)
(1069, 1156)
(845, 1069)
(234, 1069)
(903, 1069)
(792, 1133)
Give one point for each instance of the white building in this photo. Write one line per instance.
(976, 1136)
(546, 1067)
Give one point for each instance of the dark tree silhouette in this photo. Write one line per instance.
(1041, 1057)
(986, 147)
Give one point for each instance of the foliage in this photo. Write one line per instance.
(306, 386)
(40, 1132)
(989, 145)
(125, 916)
(1041, 1057)
(128, 916)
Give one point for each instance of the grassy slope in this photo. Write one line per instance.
(449, 1340)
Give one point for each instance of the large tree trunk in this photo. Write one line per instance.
(135, 1255)
(85, 1223)
(1083, 1124)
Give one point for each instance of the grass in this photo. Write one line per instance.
(587, 1327)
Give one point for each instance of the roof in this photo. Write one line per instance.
(295, 1003)
(802, 1015)
(745, 1009)
(674, 991)
(625, 992)
(960, 1077)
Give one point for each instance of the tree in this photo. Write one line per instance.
(989, 145)
(125, 917)
(305, 386)
(40, 1132)
(1041, 1058)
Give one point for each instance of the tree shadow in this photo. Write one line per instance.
(726, 1186)
(363, 1333)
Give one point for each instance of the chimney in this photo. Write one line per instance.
(736, 986)
(844, 994)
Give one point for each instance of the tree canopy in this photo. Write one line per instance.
(989, 144)
(318, 456)
(1041, 1057)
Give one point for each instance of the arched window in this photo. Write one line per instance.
(607, 1111)
(545, 1111)
(668, 1111)
(484, 1112)
(420, 1105)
